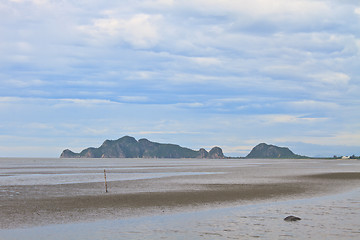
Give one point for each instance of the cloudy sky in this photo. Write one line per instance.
(228, 73)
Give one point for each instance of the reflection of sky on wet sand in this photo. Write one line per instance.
(69, 178)
(329, 217)
(67, 171)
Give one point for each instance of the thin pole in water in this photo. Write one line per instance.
(105, 181)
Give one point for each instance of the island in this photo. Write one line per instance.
(129, 147)
(264, 150)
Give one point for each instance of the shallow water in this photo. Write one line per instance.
(52, 171)
(19, 171)
(329, 216)
(67, 171)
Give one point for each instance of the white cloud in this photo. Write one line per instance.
(181, 78)
(18, 58)
(85, 102)
(142, 75)
(312, 105)
(39, 126)
(207, 61)
(91, 83)
(232, 71)
(133, 98)
(334, 139)
(163, 2)
(25, 83)
(24, 46)
(347, 138)
(95, 131)
(10, 99)
(334, 78)
(232, 100)
(190, 105)
(286, 118)
(278, 10)
(31, 1)
(140, 30)
(258, 6)
(39, 2)
(282, 70)
(357, 43)
(158, 3)
(357, 11)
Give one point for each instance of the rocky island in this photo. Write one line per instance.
(264, 150)
(129, 147)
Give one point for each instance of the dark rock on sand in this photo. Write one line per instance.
(292, 219)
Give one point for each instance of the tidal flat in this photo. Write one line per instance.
(179, 198)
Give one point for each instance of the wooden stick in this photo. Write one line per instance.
(105, 181)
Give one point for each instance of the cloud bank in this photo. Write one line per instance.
(228, 73)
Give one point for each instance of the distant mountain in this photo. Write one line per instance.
(264, 150)
(129, 147)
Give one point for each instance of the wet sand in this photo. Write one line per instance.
(35, 205)
(38, 211)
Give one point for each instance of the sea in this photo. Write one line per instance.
(328, 215)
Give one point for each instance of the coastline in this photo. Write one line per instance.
(330, 217)
(40, 211)
(188, 185)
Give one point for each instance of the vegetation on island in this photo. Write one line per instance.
(129, 147)
(264, 150)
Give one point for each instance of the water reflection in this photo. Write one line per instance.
(325, 217)
(330, 217)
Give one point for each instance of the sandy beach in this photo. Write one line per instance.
(186, 186)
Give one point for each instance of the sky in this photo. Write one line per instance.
(227, 73)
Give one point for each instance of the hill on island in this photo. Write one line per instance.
(129, 147)
(264, 150)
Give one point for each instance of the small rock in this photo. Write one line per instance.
(292, 219)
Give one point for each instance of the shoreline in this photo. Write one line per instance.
(330, 216)
(38, 210)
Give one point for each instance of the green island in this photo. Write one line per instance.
(129, 147)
